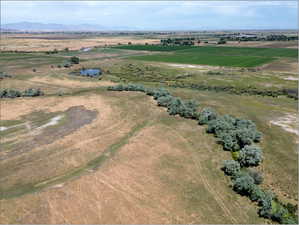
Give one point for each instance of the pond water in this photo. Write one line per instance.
(90, 72)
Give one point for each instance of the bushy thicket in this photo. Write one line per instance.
(12, 93)
(238, 136)
(250, 155)
(231, 167)
(269, 206)
(233, 133)
(256, 175)
(32, 92)
(206, 115)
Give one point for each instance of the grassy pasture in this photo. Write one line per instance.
(214, 56)
(243, 51)
(207, 59)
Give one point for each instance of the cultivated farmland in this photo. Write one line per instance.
(217, 56)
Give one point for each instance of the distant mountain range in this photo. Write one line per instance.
(28, 26)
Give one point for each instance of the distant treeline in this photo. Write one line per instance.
(272, 37)
(180, 41)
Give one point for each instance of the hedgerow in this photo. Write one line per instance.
(236, 135)
(12, 93)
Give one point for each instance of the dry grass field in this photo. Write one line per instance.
(83, 155)
(156, 169)
(34, 42)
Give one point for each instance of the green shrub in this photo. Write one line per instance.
(164, 100)
(118, 87)
(231, 167)
(229, 140)
(10, 93)
(32, 92)
(206, 115)
(74, 60)
(221, 125)
(256, 194)
(243, 184)
(256, 175)
(265, 203)
(4, 75)
(250, 155)
(235, 155)
(233, 133)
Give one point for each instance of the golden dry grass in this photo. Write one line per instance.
(167, 172)
(9, 43)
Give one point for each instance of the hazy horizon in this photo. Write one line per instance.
(156, 15)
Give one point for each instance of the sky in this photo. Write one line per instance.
(157, 15)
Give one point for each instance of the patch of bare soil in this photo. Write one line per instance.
(192, 66)
(76, 117)
(291, 78)
(59, 155)
(288, 122)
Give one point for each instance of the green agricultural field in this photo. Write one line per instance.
(242, 51)
(214, 56)
(207, 59)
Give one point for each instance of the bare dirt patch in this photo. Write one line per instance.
(288, 122)
(77, 116)
(291, 78)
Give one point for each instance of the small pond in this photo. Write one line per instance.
(90, 72)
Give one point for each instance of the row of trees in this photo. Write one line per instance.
(12, 93)
(179, 41)
(236, 135)
(272, 37)
(239, 136)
